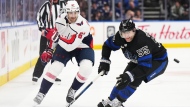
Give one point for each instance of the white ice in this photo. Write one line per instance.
(172, 89)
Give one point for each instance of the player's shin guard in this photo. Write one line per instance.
(54, 70)
(84, 72)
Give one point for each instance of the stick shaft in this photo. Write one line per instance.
(101, 73)
(88, 85)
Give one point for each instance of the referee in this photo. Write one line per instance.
(46, 17)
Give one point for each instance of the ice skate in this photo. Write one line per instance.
(115, 103)
(38, 99)
(70, 97)
(104, 103)
(34, 80)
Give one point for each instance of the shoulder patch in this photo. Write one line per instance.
(79, 24)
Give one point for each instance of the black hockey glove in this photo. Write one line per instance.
(124, 79)
(104, 66)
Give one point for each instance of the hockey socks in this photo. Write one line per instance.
(45, 86)
(76, 84)
(123, 94)
(126, 93)
(113, 93)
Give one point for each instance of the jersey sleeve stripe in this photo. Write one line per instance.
(110, 44)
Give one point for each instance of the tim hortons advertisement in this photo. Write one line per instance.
(13, 48)
(35, 41)
(3, 51)
(168, 32)
(165, 32)
(24, 44)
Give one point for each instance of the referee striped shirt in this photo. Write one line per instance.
(47, 15)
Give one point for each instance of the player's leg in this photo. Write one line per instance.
(58, 63)
(48, 80)
(158, 68)
(115, 91)
(124, 93)
(85, 59)
(39, 67)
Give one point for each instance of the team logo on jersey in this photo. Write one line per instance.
(130, 56)
(79, 24)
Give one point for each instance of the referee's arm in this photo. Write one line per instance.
(42, 16)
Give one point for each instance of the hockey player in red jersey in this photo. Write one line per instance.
(148, 59)
(71, 38)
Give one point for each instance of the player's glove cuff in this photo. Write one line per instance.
(131, 76)
(105, 61)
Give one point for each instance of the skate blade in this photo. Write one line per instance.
(68, 105)
(35, 104)
(58, 83)
(34, 83)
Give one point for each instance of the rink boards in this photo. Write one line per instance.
(20, 45)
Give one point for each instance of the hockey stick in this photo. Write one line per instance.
(101, 73)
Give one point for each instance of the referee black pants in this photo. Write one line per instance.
(39, 67)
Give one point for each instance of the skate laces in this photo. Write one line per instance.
(116, 103)
(38, 99)
(71, 93)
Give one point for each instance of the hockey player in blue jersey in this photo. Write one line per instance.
(148, 59)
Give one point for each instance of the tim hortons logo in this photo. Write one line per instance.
(167, 33)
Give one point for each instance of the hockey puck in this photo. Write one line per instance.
(176, 60)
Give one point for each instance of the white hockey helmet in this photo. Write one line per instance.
(72, 6)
